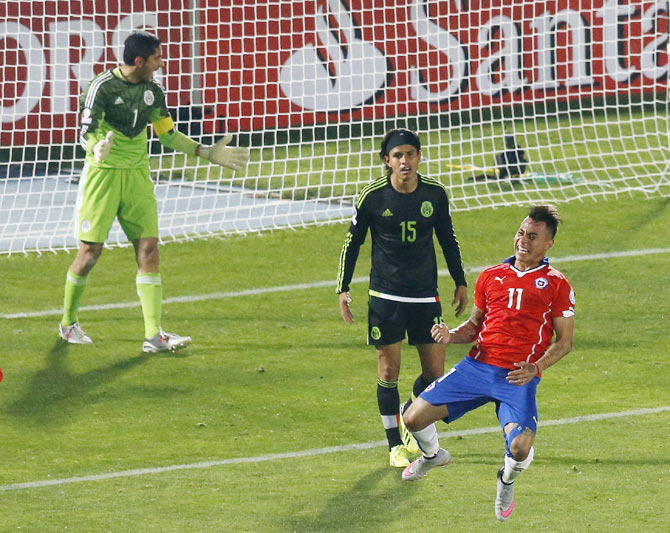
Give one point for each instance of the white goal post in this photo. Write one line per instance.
(515, 101)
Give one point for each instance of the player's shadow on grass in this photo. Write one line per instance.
(374, 499)
(53, 393)
(641, 221)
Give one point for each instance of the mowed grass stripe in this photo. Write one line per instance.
(314, 285)
(315, 451)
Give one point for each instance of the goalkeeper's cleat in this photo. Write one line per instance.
(420, 467)
(73, 334)
(504, 498)
(407, 438)
(398, 456)
(165, 342)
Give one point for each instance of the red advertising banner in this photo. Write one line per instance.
(278, 64)
(50, 51)
(266, 64)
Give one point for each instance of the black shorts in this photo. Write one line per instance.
(388, 321)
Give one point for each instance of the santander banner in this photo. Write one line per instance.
(291, 63)
(266, 64)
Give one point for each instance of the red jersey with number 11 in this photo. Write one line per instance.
(519, 307)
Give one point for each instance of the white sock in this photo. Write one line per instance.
(514, 468)
(427, 440)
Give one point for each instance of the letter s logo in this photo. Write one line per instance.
(354, 72)
(445, 43)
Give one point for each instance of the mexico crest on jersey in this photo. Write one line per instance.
(426, 209)
(148, 97)
(541, 283)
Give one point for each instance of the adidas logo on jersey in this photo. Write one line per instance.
(118, 100)
(387, 213)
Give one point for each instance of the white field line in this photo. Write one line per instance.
(312, 452)
(313, 285)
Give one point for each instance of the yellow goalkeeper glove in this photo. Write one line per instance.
(101, 148)
(227, 156)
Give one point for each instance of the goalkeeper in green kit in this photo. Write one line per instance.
(115, 110)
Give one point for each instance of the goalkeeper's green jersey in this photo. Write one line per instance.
(112, 103)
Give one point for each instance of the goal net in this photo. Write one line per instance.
(516, 101)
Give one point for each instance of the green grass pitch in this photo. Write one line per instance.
(280, 373)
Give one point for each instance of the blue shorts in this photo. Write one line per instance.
(471, 384)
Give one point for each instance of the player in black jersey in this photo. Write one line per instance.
(402, 210)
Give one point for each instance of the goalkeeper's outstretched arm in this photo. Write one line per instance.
(228, 156)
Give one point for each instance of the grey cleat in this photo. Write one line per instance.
(73, 334)
(165, 342)
(504, 498)
(420, 467)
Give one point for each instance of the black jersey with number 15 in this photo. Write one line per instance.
(402, 226)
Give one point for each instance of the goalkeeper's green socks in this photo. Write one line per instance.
(74, 288)
(150, 291)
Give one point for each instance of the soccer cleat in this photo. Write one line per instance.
(504, 498)
(398, 456)
(165, 342)
(407, 438)
(73, 334)
(419, 468)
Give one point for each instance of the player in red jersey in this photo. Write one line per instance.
(520, 307)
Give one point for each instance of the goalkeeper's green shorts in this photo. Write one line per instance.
(108, 193)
